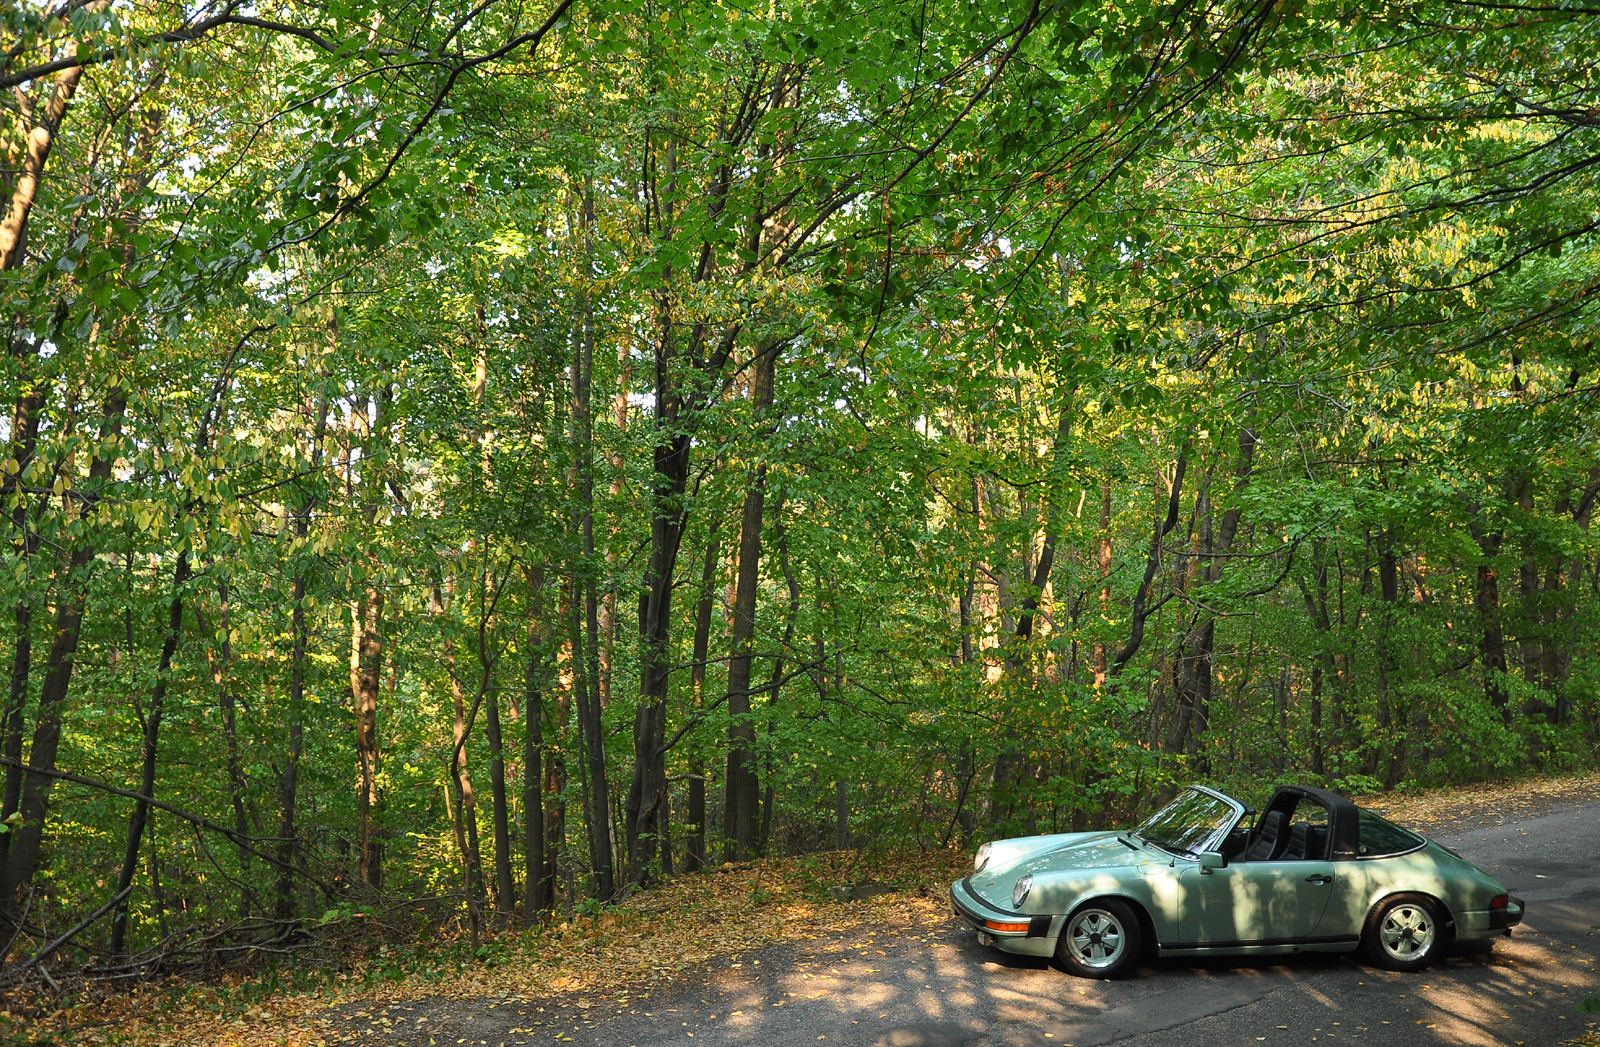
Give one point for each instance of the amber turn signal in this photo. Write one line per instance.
(996, 925)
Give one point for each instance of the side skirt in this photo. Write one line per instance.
(1264, 946)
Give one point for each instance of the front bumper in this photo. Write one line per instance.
(1020, 933)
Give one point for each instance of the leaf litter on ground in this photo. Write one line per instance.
(625, 951)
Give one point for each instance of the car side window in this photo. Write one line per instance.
(1237, 840)
(1379, 836)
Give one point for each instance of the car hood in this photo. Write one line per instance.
(1067, 852)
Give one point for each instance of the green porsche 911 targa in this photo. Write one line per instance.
(1205, 875)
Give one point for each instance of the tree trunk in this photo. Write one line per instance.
(24, 432)
(1531, 619)
(226, 705)
(1486, 600)
(28, 838)
(41, 138)
(769, 793)
(1011, 764)
(463, 798)
(586, 634)
(1104, 562)
(647, 790)
(1197, 652)
(16, 704)
(1142, 609)
(695, 857)
(741, 806)
(505, 892)
(152, 738)
(1560, 605)
(369, 666)
(289, 782)
(24, 441)
(538, 890)
(1391, 748)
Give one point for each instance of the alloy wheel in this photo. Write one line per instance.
(1407, 931)
(1095, 938)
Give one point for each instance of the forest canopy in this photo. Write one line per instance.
(500, 456)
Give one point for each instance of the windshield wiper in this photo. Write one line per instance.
(1171, 848)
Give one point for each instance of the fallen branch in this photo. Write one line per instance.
(49, 950)
(22, 921)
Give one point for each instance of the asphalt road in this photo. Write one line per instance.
(936, 987)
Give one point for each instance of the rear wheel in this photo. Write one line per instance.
(1100, 940)
(1403, 933)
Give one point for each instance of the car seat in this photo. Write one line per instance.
(1299, 842)
(1269, 839)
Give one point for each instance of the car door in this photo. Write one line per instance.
(1275, 901)
(1254, 902)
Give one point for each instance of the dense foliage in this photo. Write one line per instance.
(492, 458)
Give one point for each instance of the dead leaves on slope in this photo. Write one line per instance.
(1456, 808)
(627, 950)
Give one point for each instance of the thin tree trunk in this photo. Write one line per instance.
(743, 788)
(555, 826)
(289, 781)
(586, 635)
(608, 605)
(1142, 609)
(1047, 554)
(369, 667)
(24, 443)
(157, 895)
(1486, 600)
(463, 797)
(1532, 650)
(505, 891)
(149, 755)
(16, 704)
(769, 793)
(695, 859)
(1560, 609)
(1391, 748)
(226, 704)
(1194, 674)
(1104, 559)
(538, 889)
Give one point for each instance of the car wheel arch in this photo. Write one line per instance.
(1141, 910)
(1380, 953)
(1441, 909)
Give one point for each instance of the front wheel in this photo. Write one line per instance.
(1403, 933)
(1100, 940)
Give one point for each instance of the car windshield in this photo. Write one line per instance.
(1187, 823)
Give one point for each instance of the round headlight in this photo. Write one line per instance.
(982, 858)
(1019, 893)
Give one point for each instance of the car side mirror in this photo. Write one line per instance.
(1212, 860)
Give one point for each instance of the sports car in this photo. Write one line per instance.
(1206, 875)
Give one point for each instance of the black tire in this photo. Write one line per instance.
(1101, 939)
(1403, 933)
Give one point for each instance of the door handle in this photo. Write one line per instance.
(1319, 879)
